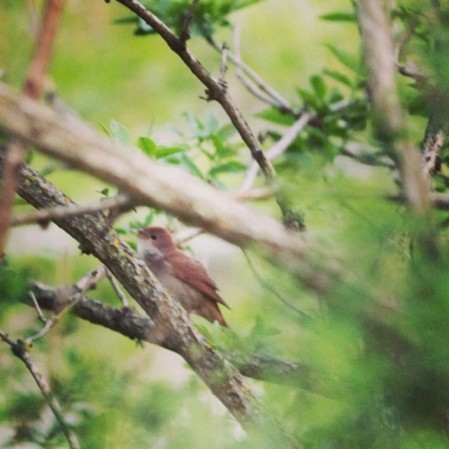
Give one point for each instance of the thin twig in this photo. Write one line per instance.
(20, 349)
(45, 215)
(40, 315)
(367, 158)
(439, 200)
(276, 150)
(118, 291)
(82, 286)
(223, 64)
(256, 87)
(184, 35)
(266, 285)
(273, 97)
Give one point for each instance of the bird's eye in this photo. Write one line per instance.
(153, 237)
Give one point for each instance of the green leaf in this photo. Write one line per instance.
(147, 145)
(220, 147)
(319, 86)
(308, 98)
(339, 16)
(227, 167)
(344, 57)
(417, 105)
(187, 162)
(211, 123)
(226, 131)
(125, 20)
(273, 115)
(196, 126)
(338, 76)
(105, 192)
(168, 151)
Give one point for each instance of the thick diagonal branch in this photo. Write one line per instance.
(148, 182)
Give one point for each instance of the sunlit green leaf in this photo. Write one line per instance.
(227, 167)
(273, 115)
(339, 16)
(319, 86)
(147, 145)
(345, 57)
(338, 76)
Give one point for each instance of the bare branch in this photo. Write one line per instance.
(40, 315)
(184, 36)
(81, 287)
(214, 89)
(380, 60)
(439, 200)
(223, 64)
(121, 296)
(168, 188)
(277, 149)
(367, 158)
(45, 215)
(267, 93)
(20, 349)
(34, 85)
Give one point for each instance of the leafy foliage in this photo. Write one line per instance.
(206, 18)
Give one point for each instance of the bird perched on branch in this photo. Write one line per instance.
(184, 277)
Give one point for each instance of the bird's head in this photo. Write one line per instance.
(155, 242)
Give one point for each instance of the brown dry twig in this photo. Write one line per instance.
(276, 150)
(184, 35)
(34, 85)
(45, 215)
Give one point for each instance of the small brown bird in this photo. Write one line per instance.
(184, 277)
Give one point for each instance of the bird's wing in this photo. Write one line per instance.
(192, 272)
